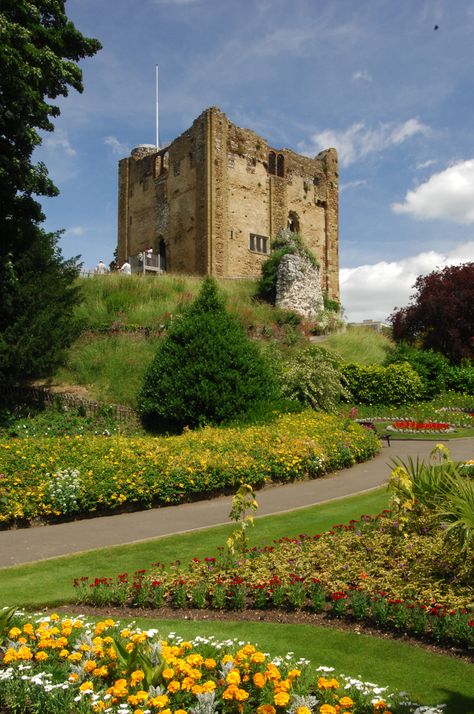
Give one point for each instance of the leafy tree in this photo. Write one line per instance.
(441, 314)
(206, 370)
(39, 51)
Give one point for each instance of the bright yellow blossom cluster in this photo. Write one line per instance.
(164, 470)
(108, 668)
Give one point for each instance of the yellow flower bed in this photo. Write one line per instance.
(106, 667)
(111, 472)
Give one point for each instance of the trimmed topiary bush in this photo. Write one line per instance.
(393, 385)
(206, 370)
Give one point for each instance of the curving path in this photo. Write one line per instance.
(41, 542)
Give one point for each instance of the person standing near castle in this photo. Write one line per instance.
(126, 268)
(100, 268)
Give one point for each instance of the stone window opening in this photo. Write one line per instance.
(165, 160)
(281, 166)
(272, 163)
(293, 222)
(258, 244)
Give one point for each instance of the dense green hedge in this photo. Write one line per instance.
(371, 384)
(63, 476)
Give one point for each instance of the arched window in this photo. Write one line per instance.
(165, 160)
(272, 163)
(293, 222)
(280, 165)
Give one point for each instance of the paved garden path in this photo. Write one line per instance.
(38, 543)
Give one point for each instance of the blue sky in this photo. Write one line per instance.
(374, 79)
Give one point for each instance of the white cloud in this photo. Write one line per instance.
(373, 291)
(58, 140)
(352, 184)
(358, 141)
(117, 147)
(425, 164)
(74, 231)
(362, 75)
(448, 195)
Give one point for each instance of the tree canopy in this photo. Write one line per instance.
(441, 313)
(39, 52)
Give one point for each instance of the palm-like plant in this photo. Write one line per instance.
(458, 512)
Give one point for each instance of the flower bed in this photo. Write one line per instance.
(426, 427)
(367, 570)
(47, 478)
(70, 665)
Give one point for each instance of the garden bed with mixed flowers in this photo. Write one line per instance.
(373, 570)
(48, 479)
(411, 426)
(71, 665)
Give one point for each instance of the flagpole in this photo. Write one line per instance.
(157, 115)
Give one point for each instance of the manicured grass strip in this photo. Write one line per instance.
(429, 678)
(50, 581)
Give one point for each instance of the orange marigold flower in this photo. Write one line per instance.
(41, 656)
(281, 699)
(210, 663)
(266, 709)
(173, 686)
(233, 677)
(346, 702)
(327, 709)
(136, 677)
(259, 680)
(86, 687)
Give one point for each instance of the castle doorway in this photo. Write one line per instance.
(162, 255)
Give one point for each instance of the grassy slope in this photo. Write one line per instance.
(359, 344)
(111, 366)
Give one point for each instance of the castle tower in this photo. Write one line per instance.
(211, 202)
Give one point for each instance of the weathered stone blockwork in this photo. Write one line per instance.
(212, 201)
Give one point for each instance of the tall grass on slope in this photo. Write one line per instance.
(360, 345)
(147, 301)
(111, 367)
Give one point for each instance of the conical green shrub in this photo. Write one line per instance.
(206, 369)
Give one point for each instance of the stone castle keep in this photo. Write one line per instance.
(211, 202)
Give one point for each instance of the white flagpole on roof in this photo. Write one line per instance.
(157, 113)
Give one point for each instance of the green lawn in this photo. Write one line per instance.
(51, 581)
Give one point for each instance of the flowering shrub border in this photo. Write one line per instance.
(140, 472)
(64, 665)
(259, 579)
